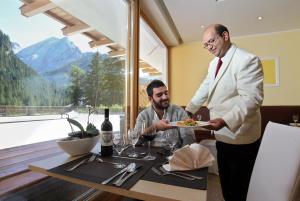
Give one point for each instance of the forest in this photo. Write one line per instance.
(101, 84)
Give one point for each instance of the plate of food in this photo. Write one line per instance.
(189, 123)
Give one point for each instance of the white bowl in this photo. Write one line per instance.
(78, 146)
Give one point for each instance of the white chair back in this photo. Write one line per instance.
(276, 173)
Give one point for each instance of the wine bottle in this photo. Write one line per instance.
(106, 135)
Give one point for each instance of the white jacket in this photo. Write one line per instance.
(234, 95)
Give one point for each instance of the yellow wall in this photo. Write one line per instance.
(189, 62)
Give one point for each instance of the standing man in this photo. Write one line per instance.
(233, 89)
(160, 113)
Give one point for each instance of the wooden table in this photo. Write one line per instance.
(143, 190)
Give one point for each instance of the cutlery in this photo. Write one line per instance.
(181, 173)
(100, 160)
(114, 176)
(129, 175)
(130, 168)
(125, 157)
(158, 172)
(91, 159)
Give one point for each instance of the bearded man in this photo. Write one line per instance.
(159, 115)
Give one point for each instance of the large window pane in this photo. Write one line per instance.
(48, 68)
(153, 61)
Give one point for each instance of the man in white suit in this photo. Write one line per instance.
(233, 90)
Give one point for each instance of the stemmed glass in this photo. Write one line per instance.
(119, 145)
(171, 139)
(133, 137)
(295, 118)
(149, 136)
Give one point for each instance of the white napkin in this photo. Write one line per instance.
(190, 157)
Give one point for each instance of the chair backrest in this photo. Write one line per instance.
(276, 173)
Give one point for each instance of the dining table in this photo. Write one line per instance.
(145, 184)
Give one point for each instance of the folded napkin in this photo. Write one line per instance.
(190, 157)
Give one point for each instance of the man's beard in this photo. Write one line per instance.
(161, 105)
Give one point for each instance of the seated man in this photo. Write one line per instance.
(160, 113)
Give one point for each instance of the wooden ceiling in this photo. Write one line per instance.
(74, 25)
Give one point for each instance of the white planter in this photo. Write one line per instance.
(78, 146)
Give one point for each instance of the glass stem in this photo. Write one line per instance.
(149, 151)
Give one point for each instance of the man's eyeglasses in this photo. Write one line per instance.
(210, 42)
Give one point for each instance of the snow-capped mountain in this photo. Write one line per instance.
(50, 54)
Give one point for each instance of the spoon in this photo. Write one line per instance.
(129, 175)
(130, 168)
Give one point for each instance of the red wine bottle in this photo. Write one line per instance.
(106, 135)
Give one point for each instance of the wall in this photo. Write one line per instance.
(189, 63)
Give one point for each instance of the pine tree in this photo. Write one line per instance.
(93, 80)
(76, 87)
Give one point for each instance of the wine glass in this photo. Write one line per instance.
(133, 137)
(171, 139)
(295, 118)
(119, 145)
(149, 135)
(198, 117)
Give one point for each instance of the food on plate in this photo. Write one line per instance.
(187, 122)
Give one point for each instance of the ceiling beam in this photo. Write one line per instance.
(150, 70)
(154, 74)
(36, 7)
(144, 65)
(102, 41)
(117, 53)
(74, 29)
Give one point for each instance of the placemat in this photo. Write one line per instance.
(98, 172)
(173, 180)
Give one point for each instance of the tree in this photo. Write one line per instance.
(77, 81)
(113, 81)
(92, 81)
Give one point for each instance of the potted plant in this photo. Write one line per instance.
(82, 141)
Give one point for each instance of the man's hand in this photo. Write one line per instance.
(216, 124)
(162, 125)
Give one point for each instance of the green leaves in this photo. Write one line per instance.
(91, 129)
(77, 124)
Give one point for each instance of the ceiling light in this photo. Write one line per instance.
(260, 18)
(202, 26)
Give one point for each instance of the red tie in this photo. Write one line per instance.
(218, 67)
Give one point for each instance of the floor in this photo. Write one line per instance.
(214, 192)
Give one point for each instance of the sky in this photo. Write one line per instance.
(29, 30)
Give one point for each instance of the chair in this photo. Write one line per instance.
(276, 173)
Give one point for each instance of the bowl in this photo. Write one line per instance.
(76, 147)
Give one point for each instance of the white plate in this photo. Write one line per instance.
(199, 124)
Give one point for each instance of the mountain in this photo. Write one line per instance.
(61, 75)
(50, 54)
(15, 47)
(20, 84)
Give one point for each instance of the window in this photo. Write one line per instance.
(153, 61)
(48, 68)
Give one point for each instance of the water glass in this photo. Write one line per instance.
(133, 137)
(172, 137)
(119, 146)
(295, 118)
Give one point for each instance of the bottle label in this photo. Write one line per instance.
(106, 138)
